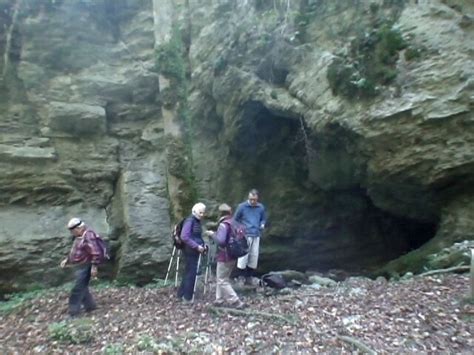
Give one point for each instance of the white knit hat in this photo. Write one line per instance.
(74, 223)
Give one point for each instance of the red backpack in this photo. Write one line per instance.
(237, 245)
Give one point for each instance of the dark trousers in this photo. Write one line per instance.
(80, 294)
(186, 289)
(247, 272)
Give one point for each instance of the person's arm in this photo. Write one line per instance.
(263, 218)
(238, 213)
(186, 233)
(69, 258)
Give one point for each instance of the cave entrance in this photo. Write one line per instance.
(339, 233)
(311, 227)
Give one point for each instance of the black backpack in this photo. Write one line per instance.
(237, 245)
(176, 234)
(274, 280)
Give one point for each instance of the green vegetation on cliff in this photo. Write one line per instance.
(171, 63)
(369, 64)
(169, 59)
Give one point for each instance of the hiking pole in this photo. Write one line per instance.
(169, 265)
(177, 269)
(195, 279)
(206, 274)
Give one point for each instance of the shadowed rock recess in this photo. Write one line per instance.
(354, 120)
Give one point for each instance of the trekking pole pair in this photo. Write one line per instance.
(178, 255)
(206, 274)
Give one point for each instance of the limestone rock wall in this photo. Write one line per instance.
(82, 135)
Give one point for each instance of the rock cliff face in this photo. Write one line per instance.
(360, 155)
(82, 135)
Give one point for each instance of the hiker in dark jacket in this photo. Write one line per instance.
(252, 214)
(85, 254)
(191, 235)
(225, 294)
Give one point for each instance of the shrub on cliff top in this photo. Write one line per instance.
(370, 63)
(169, 59)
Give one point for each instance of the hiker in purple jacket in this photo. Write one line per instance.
(225, 294)
(191, 235)
(252, 214)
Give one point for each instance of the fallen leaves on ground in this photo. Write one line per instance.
(425, 314)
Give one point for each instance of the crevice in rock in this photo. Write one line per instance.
(264, 147)
(259, 132)
(9, 37)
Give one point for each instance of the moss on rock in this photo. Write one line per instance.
(180, 167)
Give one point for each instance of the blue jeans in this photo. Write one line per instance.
(186, 289)
(80, 294)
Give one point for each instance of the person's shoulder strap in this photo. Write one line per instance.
(90, 233)
(228, 222)
(191, 220)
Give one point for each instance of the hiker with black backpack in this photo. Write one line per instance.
(191, 236)
(87, 252)
(252, 214)
(225, 294)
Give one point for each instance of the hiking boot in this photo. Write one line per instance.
(90, 309)
(218, 303)
(185, 301)
(240, 281)
(249, 281)
(73, 316)
(238, 305)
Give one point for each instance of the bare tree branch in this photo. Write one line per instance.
(443, 271)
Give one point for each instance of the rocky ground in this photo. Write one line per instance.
(423, 314)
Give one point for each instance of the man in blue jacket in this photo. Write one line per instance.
(252, 214)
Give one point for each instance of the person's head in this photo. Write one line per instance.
(225, 210)
(253, 197)
(199, 209)
(76, 226)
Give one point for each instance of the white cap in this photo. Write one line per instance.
(74, 223)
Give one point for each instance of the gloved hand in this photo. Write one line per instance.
(203, 249)
(209, 233)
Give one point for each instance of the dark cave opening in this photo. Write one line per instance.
(416, 233)
(335, 243)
